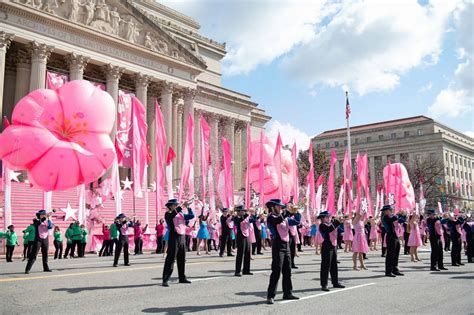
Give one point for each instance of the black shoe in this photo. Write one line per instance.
(127, 265)
(398, 273)
(184, 281)
(220, 255)
(27, 272)
(115, 265)
(290, 297)
(294, 267)
(434, 269)
(382, 256)
(247, 273)
(325, 289)
(230, 255)
(455, 265)
(460, 264)
(47, 270)
(260, 253)
(339, 286)
(270, 301)
(338, 261)
(442, 268)
(238, 274)
(390, 275)
(165, 284)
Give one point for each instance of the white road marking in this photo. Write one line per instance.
(326, 293)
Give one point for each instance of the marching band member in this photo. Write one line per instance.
(436, 240)
(454, 226)
(42, 225)
(392, 240)
(122, 223)
(242, 221)
(226, 233)
(176, 224)
(279, 223)
(328, 232)
(468, 229)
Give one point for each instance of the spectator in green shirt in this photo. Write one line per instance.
(76, 237)
(12, 241)
(68, 236)
(58, 243)
(82, 246)
(28, 240)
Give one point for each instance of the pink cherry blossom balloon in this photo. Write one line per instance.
(61, 136)
(397, 182)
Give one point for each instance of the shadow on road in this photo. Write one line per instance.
(198, 308)
(79, 290)
(263, 294)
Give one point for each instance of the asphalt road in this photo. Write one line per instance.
(90, 285)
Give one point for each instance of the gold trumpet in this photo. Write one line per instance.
(185, 204)
(293, 209)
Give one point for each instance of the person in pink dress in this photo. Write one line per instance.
(359, 244)
(347, 237)
(414, 240)
(423, 234)
(373, 233)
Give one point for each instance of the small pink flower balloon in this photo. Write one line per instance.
(61, 136)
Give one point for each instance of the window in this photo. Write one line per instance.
(448, 186)
(419, 132)
(470, 176)
(452, 171)
(465, 163)
(462, 175)
(454, 187)
(457, 173)
(462, 187)
(345, 143)
(451, 158)
(356, 140)
(432, 156)
(336, 144)
(406, 134)
(393, 135)
(446, 156)
(456, 159)
(318, 146)
(380, 137)
(369, 139)
(447, 170)
(327, 145)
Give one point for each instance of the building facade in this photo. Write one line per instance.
(138, 46)
(407, 140)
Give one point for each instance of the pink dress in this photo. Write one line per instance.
(415, 238)
(359, 244)
(347, 236)
(373, 232)
(319, 238)
(423, 228)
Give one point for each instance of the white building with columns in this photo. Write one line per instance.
(138, 46)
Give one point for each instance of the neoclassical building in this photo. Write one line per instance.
(136, 46)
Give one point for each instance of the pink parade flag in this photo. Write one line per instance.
(228, 184)
(140, 150)
(261, 170)
(205, 133)
(247, 175)
(366, 184)
(347, 170)
(319, 193)
(277, 159)
(377, 201)
(310, 179)
(340, 200)
(187, 172)
(160, 147)
(169, 171)
(212, 193)
(360, 179)
(331, 199)
(296, 187)
(388, 180)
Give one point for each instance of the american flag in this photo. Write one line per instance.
(348, 107)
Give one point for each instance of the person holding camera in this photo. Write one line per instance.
(122, 223)
(176, 222)
(42, 224)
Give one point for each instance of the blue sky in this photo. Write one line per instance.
(296, 58)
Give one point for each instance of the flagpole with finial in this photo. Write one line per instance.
(349, 152)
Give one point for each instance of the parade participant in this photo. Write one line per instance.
(383, 234)
(176, 224)
(373, 234)
(392, 240)
(28, 239)
(242, 220)
(114, 236)
(468, 227)
(42, 225)
(257, 246)
(359, 244)
(454, 226)
(68, 236)
(348, 237)
(446, 232)
(160, 232)
(279, 223)
(165, 240)
(314, 230)
(340, 233)
(189, 236)
(106, 242)
(414, 241)
(122, 223)
(406, 236)
(436, 235)
(58, 243)
(12, 241)
(226, 233)
(293, 235)
(318, 238)
(76, 238)
(422, 227)
(83, 244)
(138, 236)
(264, 231)
(328, 231)
(211, 242)
(203, 234)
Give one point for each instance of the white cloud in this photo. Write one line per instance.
(469, 134)
(369, 44)
(289, 134)
(426, 88)
(458, 98)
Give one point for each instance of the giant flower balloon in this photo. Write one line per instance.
(61, 136)
(398, 183)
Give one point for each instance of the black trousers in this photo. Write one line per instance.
(9, 253)
(41, 243)
(328, 265)
(447, 241)
(243, 253)
(138, 246)
(176, 252)
(281, 263)
(68, 249)
(26, 251)
(292, 250)
(121, 243)
(406, 248)
(299, 244)
(187, 239)
(456, 250)
(159, 245)
(107, 248)
(211, 242)
(76, 244)
(82, 249)
(470, 249)
(391, 258)
(384, 248)
(225, 240)
(436, 251)
(257, 246)
(58, 252)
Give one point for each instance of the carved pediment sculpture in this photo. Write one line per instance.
(118, 18)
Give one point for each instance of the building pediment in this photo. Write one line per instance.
(118, 18)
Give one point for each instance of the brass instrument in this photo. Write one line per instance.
(188, 202)
(293, 209)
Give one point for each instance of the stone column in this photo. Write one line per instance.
(372, 175)
(5, 41)
(9, 87)
(39, 57)
(179, 146)
(166, 103)
(23, 73)
(213, 120)
(150, 120)
(141, 88)
(113, 74)
(77, 64)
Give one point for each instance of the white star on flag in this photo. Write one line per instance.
(153, 186)
(70, 212)
(14, 175)
(127, 184)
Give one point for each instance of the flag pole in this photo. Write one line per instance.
(349, 152)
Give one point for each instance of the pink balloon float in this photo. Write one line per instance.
(61, 136)
(397, 181)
